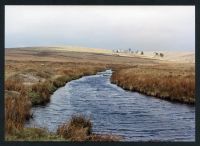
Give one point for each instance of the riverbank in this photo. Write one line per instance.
(31, 76)
(113, 113)
(32, 83)
(78, 128)
(173, 82)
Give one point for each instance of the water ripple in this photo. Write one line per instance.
(113, 110)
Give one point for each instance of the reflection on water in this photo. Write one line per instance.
(113, 110)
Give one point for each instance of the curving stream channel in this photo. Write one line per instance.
(113, 110)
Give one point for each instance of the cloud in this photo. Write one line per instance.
(143, 27)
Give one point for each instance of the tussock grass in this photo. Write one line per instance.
(14, 85)
(170, 84)
(79, 128)
(17, 110)
(39, 94)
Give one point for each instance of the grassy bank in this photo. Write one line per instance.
(32, 76)
(32, 83)
(170, 82)
(78, 128)
(38, 80)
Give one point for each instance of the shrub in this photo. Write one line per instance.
(161, 55)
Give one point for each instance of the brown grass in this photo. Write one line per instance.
(17, 110)
(174, 84)
(37, 93)
(14, 85)
(54, 69)
(79, 128)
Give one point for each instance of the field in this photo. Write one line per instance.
(32, 75)
(170, 82)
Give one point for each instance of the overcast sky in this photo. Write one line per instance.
(140, 27)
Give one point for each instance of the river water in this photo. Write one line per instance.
(134, 116)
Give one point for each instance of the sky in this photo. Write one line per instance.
(148, 28)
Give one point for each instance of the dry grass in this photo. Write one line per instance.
(37, 92)
(38, 80)
(166, 82)
(17, 110)
(35, 75)
(74, 57)
(17, 105)
(14, 85)
(79, 128)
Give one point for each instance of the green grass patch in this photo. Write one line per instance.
(33, 134)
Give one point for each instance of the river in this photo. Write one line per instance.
(134, 116)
